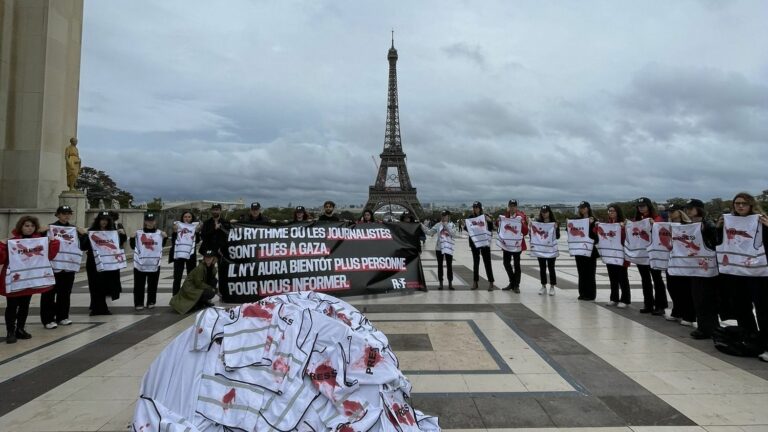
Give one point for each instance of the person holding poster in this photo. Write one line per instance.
(199, 287)
(26, 270)
(581, 244)
(444, 245)
(610, 245)
(512, 255)
(105, 257)
(741, 254)
(679, 286)
(654, 291)
(545, 231)
(54, 304)
(147, 244)
(184, 239)
(300, 214)
(254, 215)
(328, 208)
(479, 228)
(367, 217)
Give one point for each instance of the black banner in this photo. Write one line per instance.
(333, 257)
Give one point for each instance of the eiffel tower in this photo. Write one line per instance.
(393, 185)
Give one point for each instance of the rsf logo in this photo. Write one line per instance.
(398, 283)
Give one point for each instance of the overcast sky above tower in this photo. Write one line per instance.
(541, 101)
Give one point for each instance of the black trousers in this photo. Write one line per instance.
(448, 263)
(725, 307)
(682, 297)
(16, 312)
(486, 254)
(705, 302)
(513, 273)
(544, 264)
(748, 293)
(619, 279)
(150, 279)
(178, 271)
(54, 304)
(654, 291)
(586, 267)
(100, 286)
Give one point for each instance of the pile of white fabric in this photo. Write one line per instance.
(295, 362)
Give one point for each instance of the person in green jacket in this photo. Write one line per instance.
(199, 286)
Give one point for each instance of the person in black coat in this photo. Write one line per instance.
(104, 283)
(179, 264)
(214, 231)
(586, 266)
(141, 278)
(328, 208)
(485, 251)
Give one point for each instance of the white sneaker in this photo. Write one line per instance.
(622, 305)
(65, 322)
(551, 290)
(686, 323)
(543, 290)
(612, 304)
(670, 318)
(763, 356)
(139, 308)
(51, 325)
(151, 306)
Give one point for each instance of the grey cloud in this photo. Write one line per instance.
(473, 53)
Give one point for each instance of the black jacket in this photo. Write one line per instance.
(332, 218)
(214, 239)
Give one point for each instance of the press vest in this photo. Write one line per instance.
(742, 251)
(185, 240)
(638, 238)
(543, 240)
(28, 264)
(510, 234)
(107, 253)
(690, 256)
(579, 242)
(445, 242)
(477, 227)
(611, 250)
(149, 250)
(661, 244)
(70, 256)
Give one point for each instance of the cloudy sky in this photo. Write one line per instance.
(544, 101)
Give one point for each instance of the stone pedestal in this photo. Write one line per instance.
(79, 205)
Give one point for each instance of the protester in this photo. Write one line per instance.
(586, 266)
(328, 208)
(147, 244)
(546, 251)
(612, 236)
(679, 287)
(184, 240)
(654, 291)
(513, 271)
(741, 254)
(300, 214)
(102, 284)
(214, 231)
(54, 304)
(444, 246)
(199, 287)
(367, 216)
(17, 301)
(254, 215)
(484, 251)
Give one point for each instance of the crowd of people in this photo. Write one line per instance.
(727, 279)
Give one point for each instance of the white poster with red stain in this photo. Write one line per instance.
(106, 250)
(510, 234)
(28, 265)
(637, 240)
(742, 251)
(543, 240)
(661, 245)
(148, 252)
(477, 228)
(609, 245)
(70, 255)
(185, 240)
(579, 242)
(268, 259)
(689, 255)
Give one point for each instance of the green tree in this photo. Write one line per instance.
(98, 185)
(155, 205)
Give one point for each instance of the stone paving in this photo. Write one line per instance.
(479, 360)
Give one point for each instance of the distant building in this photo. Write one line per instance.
(203, 205)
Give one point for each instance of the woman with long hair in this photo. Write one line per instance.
(484, 251)
(741, 254)
(612, 253)
(367, 216)
(179, 264)
(679, 287)
(546, 216)
(300, 214)
(102, 284)
(17, 302)
(147, 244)
(586, 266)
(654, 290)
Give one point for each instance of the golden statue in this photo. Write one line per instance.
(72, 159)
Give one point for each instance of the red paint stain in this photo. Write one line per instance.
(258, 310)
(353, 409)
(228, 398)
(281, 365)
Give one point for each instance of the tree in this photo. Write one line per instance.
(155, 205)
(98, 185)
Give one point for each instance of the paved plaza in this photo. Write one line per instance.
(479, 360)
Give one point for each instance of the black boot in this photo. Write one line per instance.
(450, 285)
(441, 286)
(474, 285)
(22, 334)
(11, 338)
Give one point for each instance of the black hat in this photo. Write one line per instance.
(210, 253)
(149, 216)
(643, 201)
(216, 206)
(301, 208)
(693, 202)
(64, 209)
(584, 204)
(512, 202)
(255, 206)
(546, 208)
(445, 213)
(672, 207)
(477, 204)
(104, 213)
